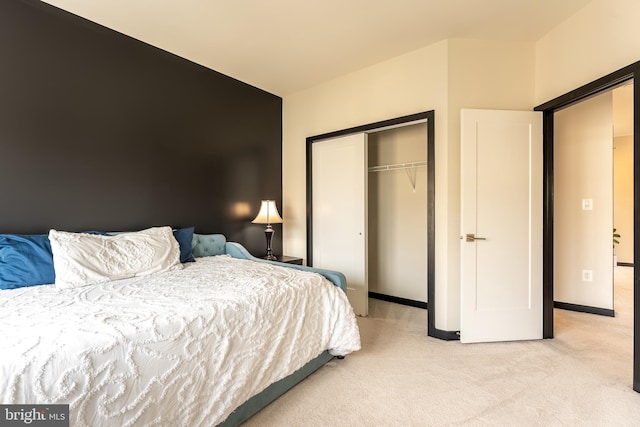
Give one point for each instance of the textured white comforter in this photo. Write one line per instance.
(182, 348)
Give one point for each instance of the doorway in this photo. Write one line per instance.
(629, 73)
(593, 199)
(583, 206)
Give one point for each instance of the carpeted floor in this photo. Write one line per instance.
(401, 377)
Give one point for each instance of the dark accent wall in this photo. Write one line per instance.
(101, 131)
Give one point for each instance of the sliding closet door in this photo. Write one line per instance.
(339, 212)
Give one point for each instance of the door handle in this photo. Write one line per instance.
(473, 238)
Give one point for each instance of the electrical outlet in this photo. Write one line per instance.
(587, 276)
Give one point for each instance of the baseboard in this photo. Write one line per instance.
(398, 300)
(584, 309)
(431, 330)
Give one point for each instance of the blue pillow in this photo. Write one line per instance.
(184, 236)
(25, 260)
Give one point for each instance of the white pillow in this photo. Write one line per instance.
(81, 259)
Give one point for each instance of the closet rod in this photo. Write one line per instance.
(409, 168)
(397, 166)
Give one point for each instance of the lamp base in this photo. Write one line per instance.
(268, 233)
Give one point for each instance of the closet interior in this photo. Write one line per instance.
(397, 214)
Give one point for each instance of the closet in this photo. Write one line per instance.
(369, 210)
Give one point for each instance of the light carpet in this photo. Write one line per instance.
(401, 377)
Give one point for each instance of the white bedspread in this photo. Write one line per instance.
(181, 348)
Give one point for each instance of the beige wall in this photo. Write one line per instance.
(397, 223)
(623, 170)
(495, 75)
(485, 75)
(447, 76)
(623, 196)
(601, 38)
(404, 85)
(583, 165)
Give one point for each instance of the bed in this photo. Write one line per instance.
(205, 343)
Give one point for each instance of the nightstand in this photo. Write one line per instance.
(289, 259)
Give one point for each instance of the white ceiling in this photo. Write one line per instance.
(283, 46)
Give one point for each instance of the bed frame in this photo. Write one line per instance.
(216, 244)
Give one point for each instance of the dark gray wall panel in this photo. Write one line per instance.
(101, 131)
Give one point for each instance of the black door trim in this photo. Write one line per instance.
(631, 72)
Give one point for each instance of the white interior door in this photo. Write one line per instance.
(501, 243)
(339, 212)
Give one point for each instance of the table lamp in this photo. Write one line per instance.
(268, 215)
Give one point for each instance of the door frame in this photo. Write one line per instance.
(427, 117)
(630, 72)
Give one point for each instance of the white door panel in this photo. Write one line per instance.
(339, 172)
(501, 202)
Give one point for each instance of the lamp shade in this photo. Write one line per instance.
(268, 213)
